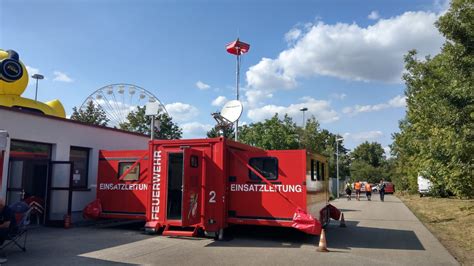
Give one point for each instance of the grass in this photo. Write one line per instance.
(450, 220)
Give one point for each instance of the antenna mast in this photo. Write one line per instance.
(237, 48)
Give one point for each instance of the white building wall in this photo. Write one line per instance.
(6, 153)
(63, 134)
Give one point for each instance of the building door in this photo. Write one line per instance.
(59, 198)
(192, 175)
(175, 186)
(27, 176)
(27, 181)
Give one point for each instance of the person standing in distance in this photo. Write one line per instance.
(357, 186)
(382, 190)
(368, 191)
(348, 190)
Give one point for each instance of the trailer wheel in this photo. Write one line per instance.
(150, 231)
(220, 235)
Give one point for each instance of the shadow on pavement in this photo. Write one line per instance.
(58, 246)
(264, 237)
(354, 236)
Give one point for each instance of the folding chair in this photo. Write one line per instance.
(22, 214)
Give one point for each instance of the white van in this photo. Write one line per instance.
(424, 185)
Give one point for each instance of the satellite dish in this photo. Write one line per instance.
(232, 111)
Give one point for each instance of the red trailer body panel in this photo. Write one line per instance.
(265, 201)
(184, 185)
(122, 198)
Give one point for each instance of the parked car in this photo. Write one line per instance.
(389, 187)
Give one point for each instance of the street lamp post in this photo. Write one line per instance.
(337, 164)
(37, 77)
(304, 109)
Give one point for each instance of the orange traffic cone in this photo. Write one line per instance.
(343, 222)
(322, 242)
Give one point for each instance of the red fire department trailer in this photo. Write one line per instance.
(181, 187)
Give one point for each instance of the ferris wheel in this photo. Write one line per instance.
(118, 100)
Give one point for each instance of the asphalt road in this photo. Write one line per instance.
(377, 233)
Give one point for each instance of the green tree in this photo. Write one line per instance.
(329, 150)
(323, 142)
(368, 162)
(371, 153)
(93, 114)
(272, 134)
(311, 138)
(436, 138)
(283, 134)
(214, 133)
(140, 123)
(405, 172)
(363, 171)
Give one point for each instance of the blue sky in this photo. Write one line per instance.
(341, 59)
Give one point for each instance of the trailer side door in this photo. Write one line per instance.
(192, 176)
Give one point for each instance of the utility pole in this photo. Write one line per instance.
(237, 48)
(337, 164)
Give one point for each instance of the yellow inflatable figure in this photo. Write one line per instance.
(13, 82)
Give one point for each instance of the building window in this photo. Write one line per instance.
(80, 174)
(313, 176)
(318, 172)
(322, 171)
(266, 166)
(30, 150)
(133, 175)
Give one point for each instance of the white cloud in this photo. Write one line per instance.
(339, 96)
(374, 15)
(363, 136)
(32, 70)
(195, 130)
(219, 101)
(182, 112)
(270, 74)
(396, 102)
(60, 76)
(320, 109)
(387, 151)
(349, 51)
(256, 97)
(293, 35)
(202, 86)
